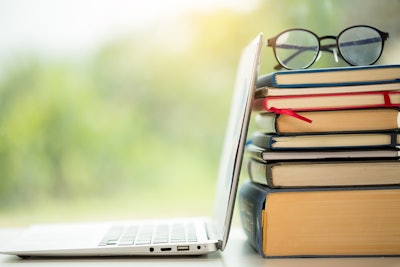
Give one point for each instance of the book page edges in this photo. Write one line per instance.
(338, 173)
(350, 223)
(264, 230)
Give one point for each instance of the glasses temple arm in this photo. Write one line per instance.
(363, 41)
(300, 49)
(328, 48)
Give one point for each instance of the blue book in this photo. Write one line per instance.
(341, 76)
(352, 140)
(321, 222)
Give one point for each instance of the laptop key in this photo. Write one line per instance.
(160, 240)
(126, 242)
(177, 240)
(143, 242)
(112, 236)
(145, 235)
(191, 233)
(160, 234)
(129, 236)
(192, 238)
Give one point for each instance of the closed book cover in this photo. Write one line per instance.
(273, 91)
(324, 173)
(264, 154)
(341, 76)
(365, 140)
(321, 222)
(385, 99)
(330, 121)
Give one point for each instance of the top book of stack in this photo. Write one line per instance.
(343, 76)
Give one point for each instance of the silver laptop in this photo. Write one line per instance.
(165, 236)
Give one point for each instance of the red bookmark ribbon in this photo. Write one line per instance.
(289, 113)
(386, 98)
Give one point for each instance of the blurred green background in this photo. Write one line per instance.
(117, 109)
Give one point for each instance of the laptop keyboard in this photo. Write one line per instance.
(149, 234)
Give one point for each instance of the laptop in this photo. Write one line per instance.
(161, 237)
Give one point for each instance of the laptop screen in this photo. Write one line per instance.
(235, 137)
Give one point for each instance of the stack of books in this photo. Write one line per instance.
(323, 163)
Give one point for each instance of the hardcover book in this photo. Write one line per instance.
(384, 99)
(341, 76)
(312, 154)
(373, 140)
(317, 222)
(324, 173)
(273, 91)
(329, 121)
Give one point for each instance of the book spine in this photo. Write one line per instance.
(267, 80)
(260, 172)
(263, 141)
(251, 205)
(266, 122)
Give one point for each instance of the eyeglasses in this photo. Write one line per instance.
(300, 48)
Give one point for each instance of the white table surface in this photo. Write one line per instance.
(238, 253)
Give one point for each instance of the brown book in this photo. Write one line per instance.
(319, 222)
(352, 120)
(324, 173)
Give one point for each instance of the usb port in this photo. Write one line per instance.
(182, 248)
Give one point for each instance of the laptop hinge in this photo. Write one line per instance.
(212, 232)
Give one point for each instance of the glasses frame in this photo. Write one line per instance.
(324, 48)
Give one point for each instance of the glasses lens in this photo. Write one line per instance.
(360, 45)
(296, 49)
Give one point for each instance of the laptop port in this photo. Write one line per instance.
(166, 249)
(182, 248)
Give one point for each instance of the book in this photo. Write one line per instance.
(324, 173)
(340, 76)
(269, 155)
(273, 91)
(385, 99)
(329, 121)
(362, 221)
(371, 140)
